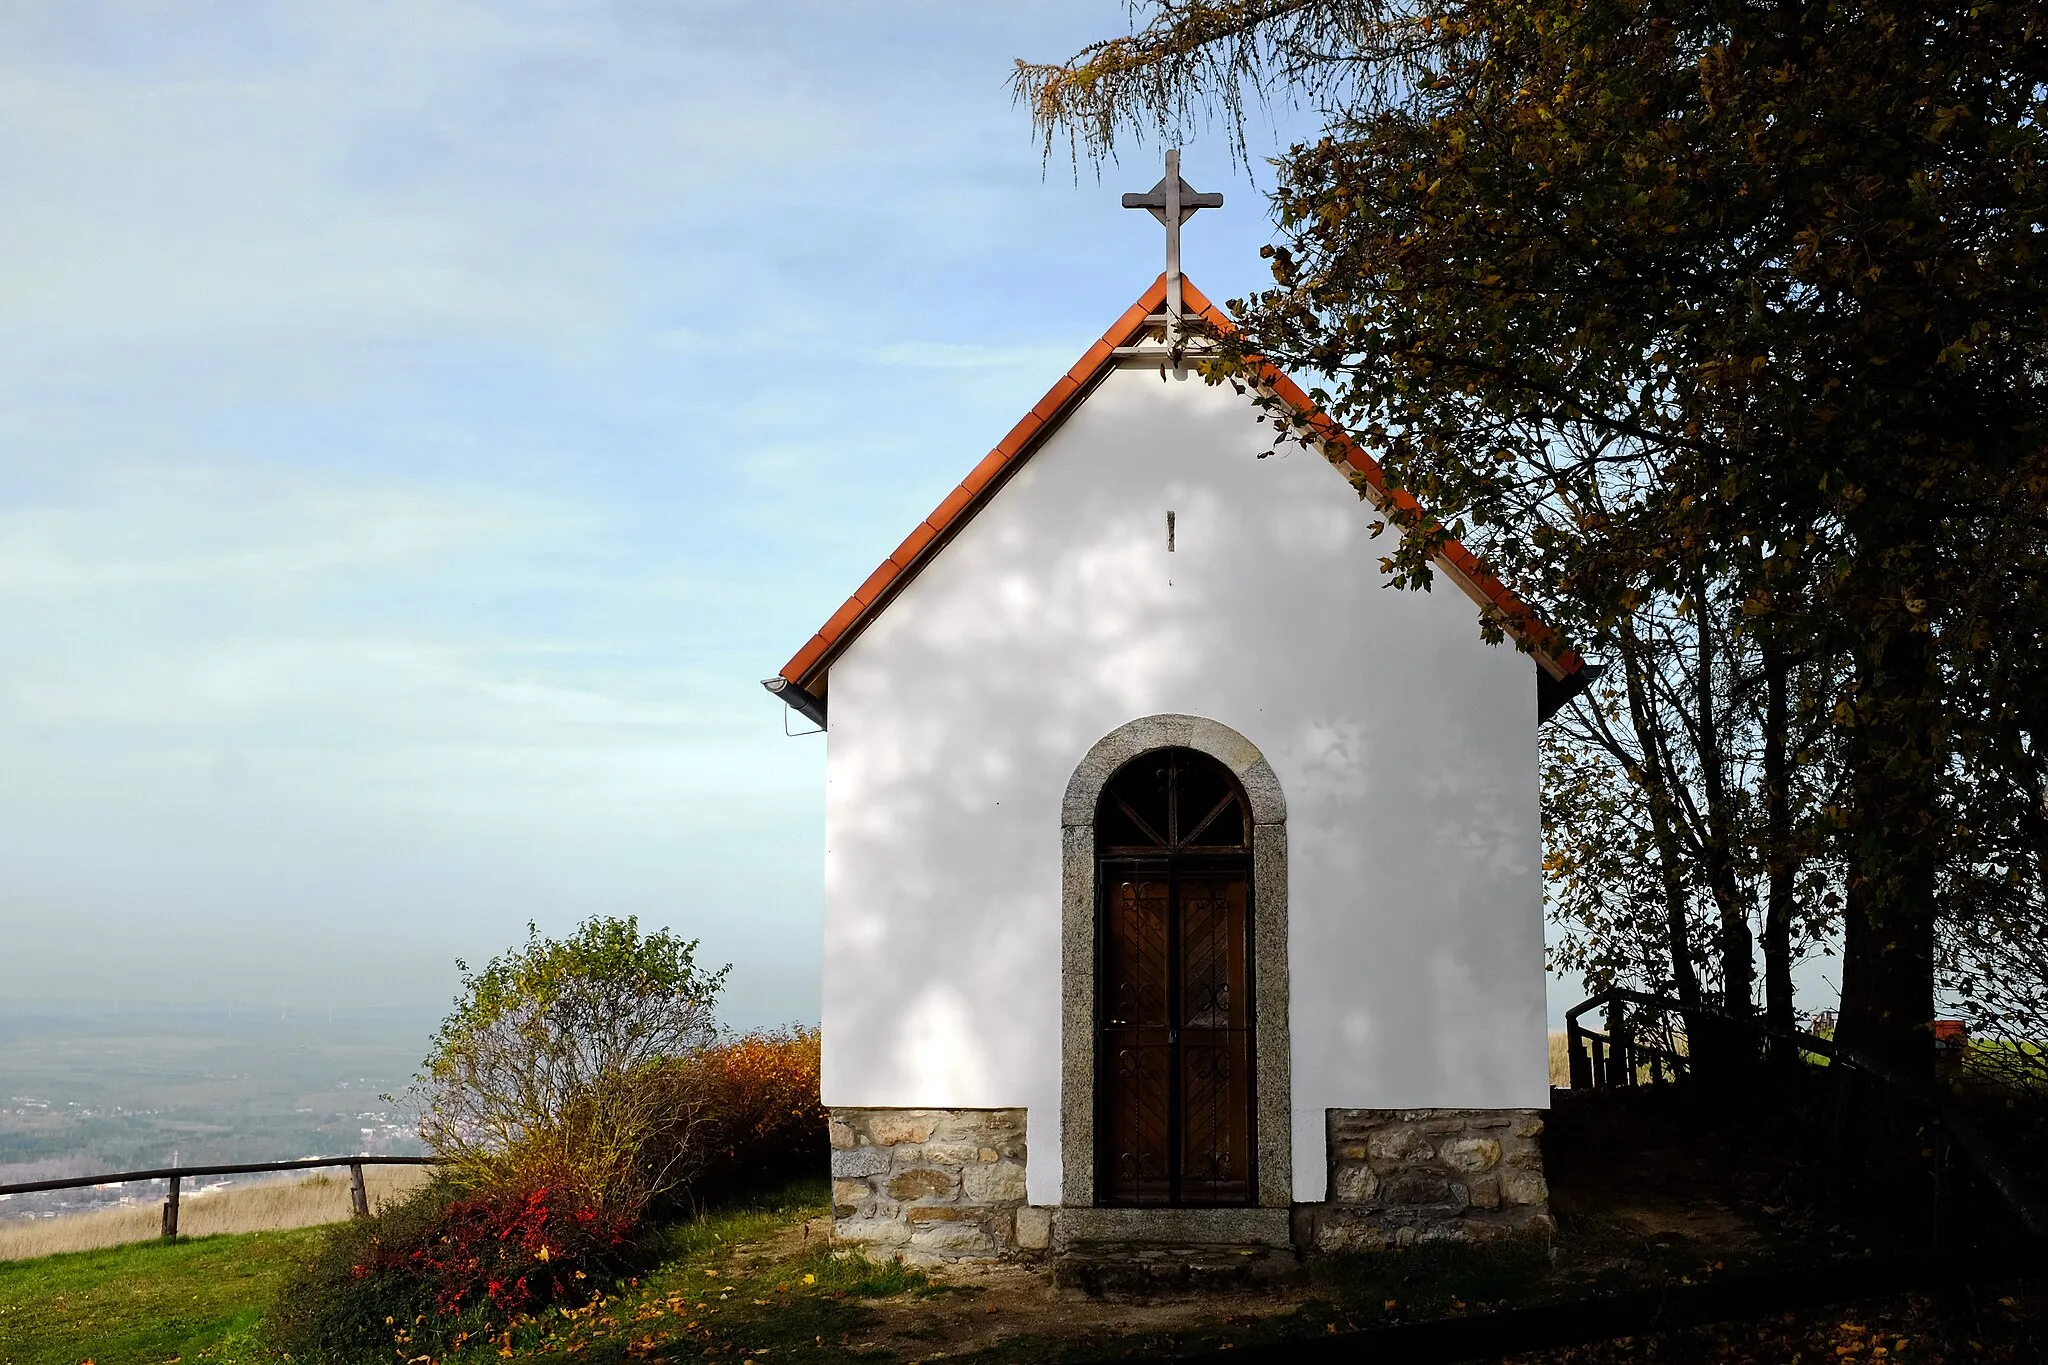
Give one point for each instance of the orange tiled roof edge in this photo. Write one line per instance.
(807, 668)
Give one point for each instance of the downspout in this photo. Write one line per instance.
(797, 699)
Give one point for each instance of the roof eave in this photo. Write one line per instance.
(808, 668)
(807, 673)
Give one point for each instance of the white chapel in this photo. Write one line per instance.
(1182, 884)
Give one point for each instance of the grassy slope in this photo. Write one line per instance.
(199, 1300)
(733, 1286)
(723, 1290)
(741, 1284)
(202, 1299)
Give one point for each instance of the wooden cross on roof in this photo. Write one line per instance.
(1173, 201)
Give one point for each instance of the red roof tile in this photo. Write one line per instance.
(808, 669)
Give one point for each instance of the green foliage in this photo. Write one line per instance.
(146, 1303)
(578, 1091)
(1603, 867)
(332, 1309)
(557, 1056)
(466, 1260)
(1728, 313)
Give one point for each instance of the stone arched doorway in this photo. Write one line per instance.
(1221, 870)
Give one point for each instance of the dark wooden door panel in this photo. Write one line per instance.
(1212, 940)
(1137, 1039)
(1215, 1052)
(1136, 946)
(1214, 1165)
(1141, 1118)
(1173, 1008)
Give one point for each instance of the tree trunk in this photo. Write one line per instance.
(1738, 962)
(1777, 846)
(1888, 933)
(1685, 981)
(1888, 930)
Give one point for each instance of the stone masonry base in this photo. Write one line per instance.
(1401, 1176)
(934, 1185)
(931, 1184)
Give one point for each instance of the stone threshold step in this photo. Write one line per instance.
(1171, 1227)
(1110, 1270)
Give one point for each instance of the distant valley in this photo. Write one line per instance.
(98, 1086)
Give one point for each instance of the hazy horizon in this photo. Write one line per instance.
(422, 426)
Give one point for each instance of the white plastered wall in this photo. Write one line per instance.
(1406, 748)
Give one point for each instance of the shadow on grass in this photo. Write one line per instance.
(1434, 1280)
(1343, 1293)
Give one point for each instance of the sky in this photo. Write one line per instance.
(422, 425)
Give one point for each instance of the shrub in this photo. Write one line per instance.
(561, 1056)
(448, 1264)
(577, 1086)
(762, 1119)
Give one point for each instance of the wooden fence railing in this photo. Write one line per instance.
(1614, 1058)
(358, 1195)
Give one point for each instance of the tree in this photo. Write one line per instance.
(558, 1058)
(1673, 812)
(1676, 301)
(1994, 940)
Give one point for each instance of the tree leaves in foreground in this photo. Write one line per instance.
(1731, 314)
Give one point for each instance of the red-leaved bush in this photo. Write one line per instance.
(463, 1257)
(450, 1262)
(511, 1251)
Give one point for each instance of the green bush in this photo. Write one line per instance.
(562, 1056)
(577, 1091)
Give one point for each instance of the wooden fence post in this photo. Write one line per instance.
(1621, 1056)
(1575, 1052)
(171, 1212)
(358, 1197)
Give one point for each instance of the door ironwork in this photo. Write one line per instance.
(1174, 1079)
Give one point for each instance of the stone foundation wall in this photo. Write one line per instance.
(932, 1184)
(1401, 1176)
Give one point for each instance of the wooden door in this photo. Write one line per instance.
(1173, 1056)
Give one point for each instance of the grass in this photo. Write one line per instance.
(740, 1277)
(268, 1207)
(197, 1300)
(733, 1283)
(757, 1281)
(753, 1281)
(745, 1284)
(736, 1286)
(1345, 1293)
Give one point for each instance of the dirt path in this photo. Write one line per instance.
(979, 1306)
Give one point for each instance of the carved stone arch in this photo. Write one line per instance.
(1273, 1102)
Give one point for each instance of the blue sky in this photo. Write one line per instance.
(421, 425)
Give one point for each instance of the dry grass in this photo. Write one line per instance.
(1560, 1061)
(252, 1208)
